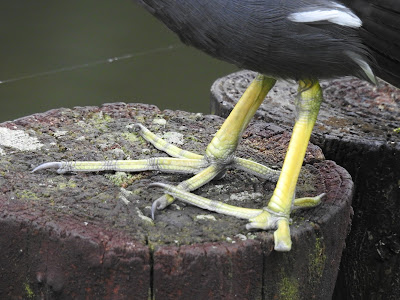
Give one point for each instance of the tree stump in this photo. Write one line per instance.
(89, 235)
(355, 128)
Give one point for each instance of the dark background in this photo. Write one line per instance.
(43, 36)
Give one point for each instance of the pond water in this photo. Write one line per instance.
(57, 54)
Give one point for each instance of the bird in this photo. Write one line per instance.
(302, 40)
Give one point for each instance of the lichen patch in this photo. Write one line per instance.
(173, 137)
(244, 196)
(206, 217)
(19, 140)
(160, 121)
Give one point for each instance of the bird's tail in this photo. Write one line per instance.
(381, 33)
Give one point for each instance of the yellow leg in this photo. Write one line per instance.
(308, 103)
(220, 154)
(276, 214)
(227, 138)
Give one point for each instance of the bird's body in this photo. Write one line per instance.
(264, 36)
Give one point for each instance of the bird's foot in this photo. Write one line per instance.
(206, 167)
(263, 219)
(219, 155)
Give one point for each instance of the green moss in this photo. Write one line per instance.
(397, 130)
(137, 191)
(192, 138)
(100, 120)
(151, 246)
(317, 261)
(124, 179)
(28, 291)
(140, 119)
(64, 185)
(119, 178)
(102, 117)
(27, 194)
(288, 288)
(131, 136)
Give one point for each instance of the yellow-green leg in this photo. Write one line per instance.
(220, 155)
(276, 215)
(220, 152)
(225, 141)
(307, 106)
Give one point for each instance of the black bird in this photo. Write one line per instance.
(305, 40)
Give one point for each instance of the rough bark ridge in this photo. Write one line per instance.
(90, 235)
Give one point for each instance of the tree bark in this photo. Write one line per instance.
(89, 235)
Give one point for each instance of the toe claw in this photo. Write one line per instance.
(161, 202)
(48, 165)
(154, 207)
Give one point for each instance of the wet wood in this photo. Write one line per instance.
(355, 128)
(90, 236)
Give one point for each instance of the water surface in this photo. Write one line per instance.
(54, 54)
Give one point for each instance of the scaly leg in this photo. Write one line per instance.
(220, 155)
(220, 152)
(308, 104)
(276, 214)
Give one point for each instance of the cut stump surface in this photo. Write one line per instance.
(90, 234)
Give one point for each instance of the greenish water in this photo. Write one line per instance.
(54, 54)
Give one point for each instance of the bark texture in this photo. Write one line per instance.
(89, 235)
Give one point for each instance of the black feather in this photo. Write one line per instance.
(258, 35)
(381, 33)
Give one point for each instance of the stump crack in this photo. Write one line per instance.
(151, 263)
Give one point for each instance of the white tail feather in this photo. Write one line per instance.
(337, 14)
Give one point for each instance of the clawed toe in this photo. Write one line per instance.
(49, 165)
(307, 202)
(270, 220)
(259, 219)
(160, 203)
